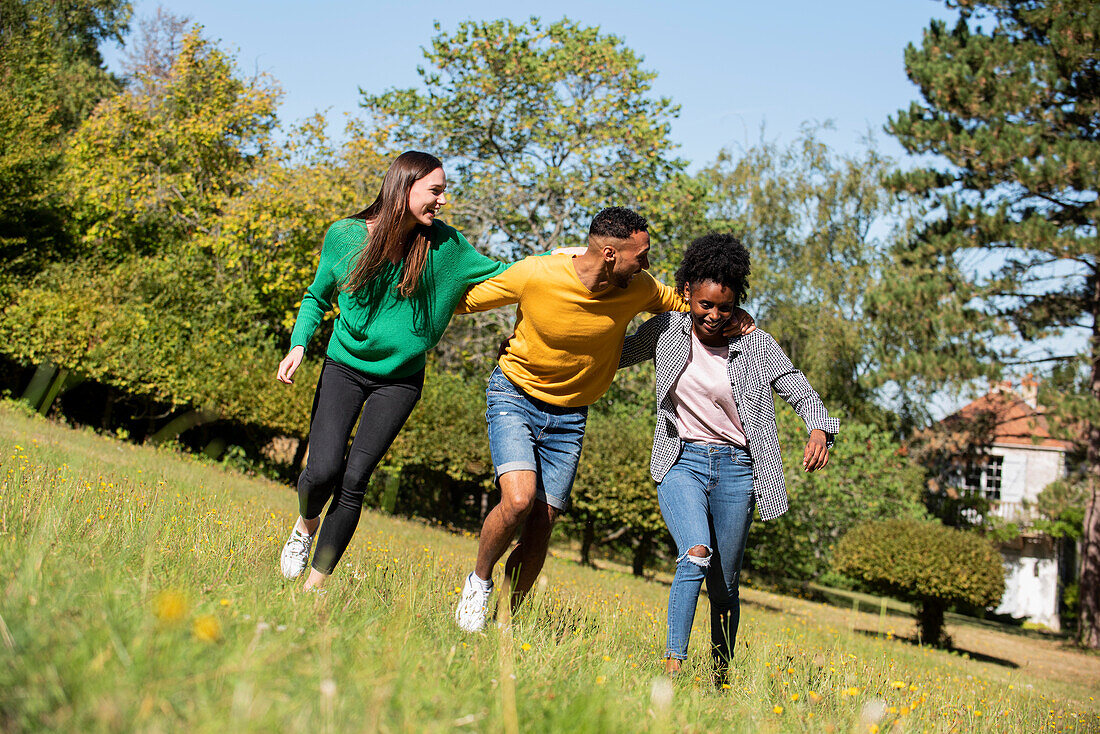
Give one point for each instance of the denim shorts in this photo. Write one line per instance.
(526, 433)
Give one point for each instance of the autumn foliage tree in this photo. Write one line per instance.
(1009, 127)
(159, 164)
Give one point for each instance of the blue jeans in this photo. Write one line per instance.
(707, 500)
(526, 433)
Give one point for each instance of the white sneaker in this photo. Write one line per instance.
(473, 607)
(295, 554)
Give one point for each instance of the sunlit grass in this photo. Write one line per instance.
(141, 592)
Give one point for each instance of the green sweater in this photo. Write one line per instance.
(377, 332)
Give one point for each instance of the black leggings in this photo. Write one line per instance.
(341, 393)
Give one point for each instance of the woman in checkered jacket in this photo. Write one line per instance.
(715, 446)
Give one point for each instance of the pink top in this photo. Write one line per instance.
(705, 409)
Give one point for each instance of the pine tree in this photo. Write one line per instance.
(1007, 254)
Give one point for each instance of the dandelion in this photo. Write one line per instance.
(853, 691)
(778, 709)
(660, 693)
(206, 628)
(169, 606)
(225, 602)
(898, 684)
(873, 712)
(600, 680)
(525, 646)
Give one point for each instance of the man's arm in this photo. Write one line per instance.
(500, 290)
(664, 298)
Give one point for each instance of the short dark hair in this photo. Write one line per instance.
(617, 222)
(719, 257)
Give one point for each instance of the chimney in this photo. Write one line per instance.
(1029, 390)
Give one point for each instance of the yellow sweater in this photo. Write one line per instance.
(568, 339)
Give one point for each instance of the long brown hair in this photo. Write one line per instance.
(386, 214)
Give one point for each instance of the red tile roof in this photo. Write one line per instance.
(1014, 421)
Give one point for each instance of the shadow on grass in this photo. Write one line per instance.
(978, 656)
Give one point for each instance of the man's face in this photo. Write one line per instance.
(631, 257)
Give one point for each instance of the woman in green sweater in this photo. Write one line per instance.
(396, 274)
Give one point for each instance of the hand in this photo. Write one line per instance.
(817, 452)
(290, 363)
(740, 324)
(572, 251)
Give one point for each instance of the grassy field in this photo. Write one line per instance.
(141, 593)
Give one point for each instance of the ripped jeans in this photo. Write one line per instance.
(707, 502)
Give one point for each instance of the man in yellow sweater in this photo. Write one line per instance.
(572, 316)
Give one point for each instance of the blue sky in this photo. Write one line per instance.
(733, 67)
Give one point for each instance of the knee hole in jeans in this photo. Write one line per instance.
(698, 555)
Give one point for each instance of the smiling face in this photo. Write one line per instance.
(631, 256)
(426, 198)
(711, 305)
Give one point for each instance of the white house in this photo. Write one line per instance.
(1020, 461)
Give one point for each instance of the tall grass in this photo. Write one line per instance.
(141, 592)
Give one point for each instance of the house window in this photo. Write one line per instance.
(982, 478)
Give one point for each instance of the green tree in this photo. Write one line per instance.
(51, 77)
(1007, 255)
(818, 225)
(542, 125)
(923, 562)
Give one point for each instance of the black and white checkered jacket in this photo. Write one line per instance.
(756, 365)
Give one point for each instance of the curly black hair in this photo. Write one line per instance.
(617, 222)
(719, 257)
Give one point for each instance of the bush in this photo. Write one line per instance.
(161, 328)
(925, 563)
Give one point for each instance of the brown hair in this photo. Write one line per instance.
(386, 214)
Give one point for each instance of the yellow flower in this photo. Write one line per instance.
(600, 680)
(525, 646)
(794, 696)
(898, 684)
(169, 606)
(853, 691)
(225, 602)
(206, 628)
(778, 709)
